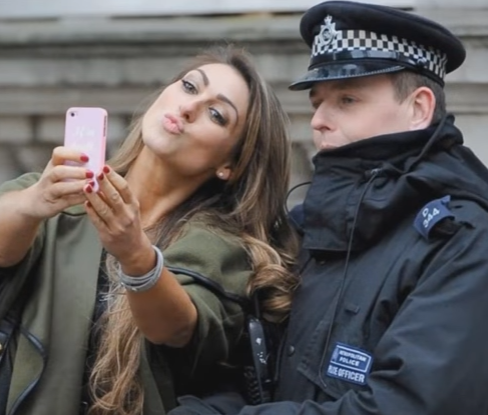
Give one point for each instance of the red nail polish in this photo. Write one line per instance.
(100, 176)
(92, 183)
(89, 189)
(106, 169)
(89, 174)
(84, 158)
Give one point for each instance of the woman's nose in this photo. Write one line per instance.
(189, 110)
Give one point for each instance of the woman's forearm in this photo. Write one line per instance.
(165, 313)
(18, 228)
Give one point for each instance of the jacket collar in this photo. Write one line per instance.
(368, 185)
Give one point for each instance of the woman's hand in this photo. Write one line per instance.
(115, 213)
(165, 313)
(59, 187)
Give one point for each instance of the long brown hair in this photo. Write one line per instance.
(250, 205)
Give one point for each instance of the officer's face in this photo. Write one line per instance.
(351, 110)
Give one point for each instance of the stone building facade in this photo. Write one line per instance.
(47, 66)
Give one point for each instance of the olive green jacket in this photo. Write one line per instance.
(63, 264)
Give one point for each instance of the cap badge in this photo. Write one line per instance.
(327, 33)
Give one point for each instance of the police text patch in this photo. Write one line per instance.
(349, 364)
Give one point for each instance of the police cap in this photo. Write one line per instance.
(349, 39)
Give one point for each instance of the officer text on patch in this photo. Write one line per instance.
(349, 364)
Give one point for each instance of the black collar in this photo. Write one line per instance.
(371, 184)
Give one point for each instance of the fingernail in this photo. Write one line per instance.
(90, 174)
(92, 183)
(100, 176)
(89, 189)
(84, 158)
(106, 169)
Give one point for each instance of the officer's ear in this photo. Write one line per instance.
(422, 102)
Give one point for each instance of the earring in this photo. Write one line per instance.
(220, 174)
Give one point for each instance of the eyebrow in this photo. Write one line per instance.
(221, 97)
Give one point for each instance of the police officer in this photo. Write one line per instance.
(391, 316)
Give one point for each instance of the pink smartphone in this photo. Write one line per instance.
(86, 131)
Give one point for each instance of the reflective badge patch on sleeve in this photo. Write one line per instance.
(431, 214)
(349, 364)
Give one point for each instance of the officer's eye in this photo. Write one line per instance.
(347, 100)
(315, 103)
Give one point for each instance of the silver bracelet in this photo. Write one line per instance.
(146, 281)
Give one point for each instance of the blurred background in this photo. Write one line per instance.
(55, 54)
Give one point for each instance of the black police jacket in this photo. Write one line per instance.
(392, 314)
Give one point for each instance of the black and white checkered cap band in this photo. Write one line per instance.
(361, 40)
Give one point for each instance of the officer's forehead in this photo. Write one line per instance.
(346, 84)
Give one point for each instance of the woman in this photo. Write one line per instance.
(188, 220)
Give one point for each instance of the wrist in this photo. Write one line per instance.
(144, 282)
(27, 200)
(139, 262)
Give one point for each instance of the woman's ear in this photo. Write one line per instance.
(423, 106)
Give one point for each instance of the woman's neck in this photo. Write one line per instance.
(158, 188)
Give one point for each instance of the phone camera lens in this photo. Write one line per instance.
(72, 114)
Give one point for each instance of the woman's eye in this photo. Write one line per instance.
(217, 116)
(188, 86)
